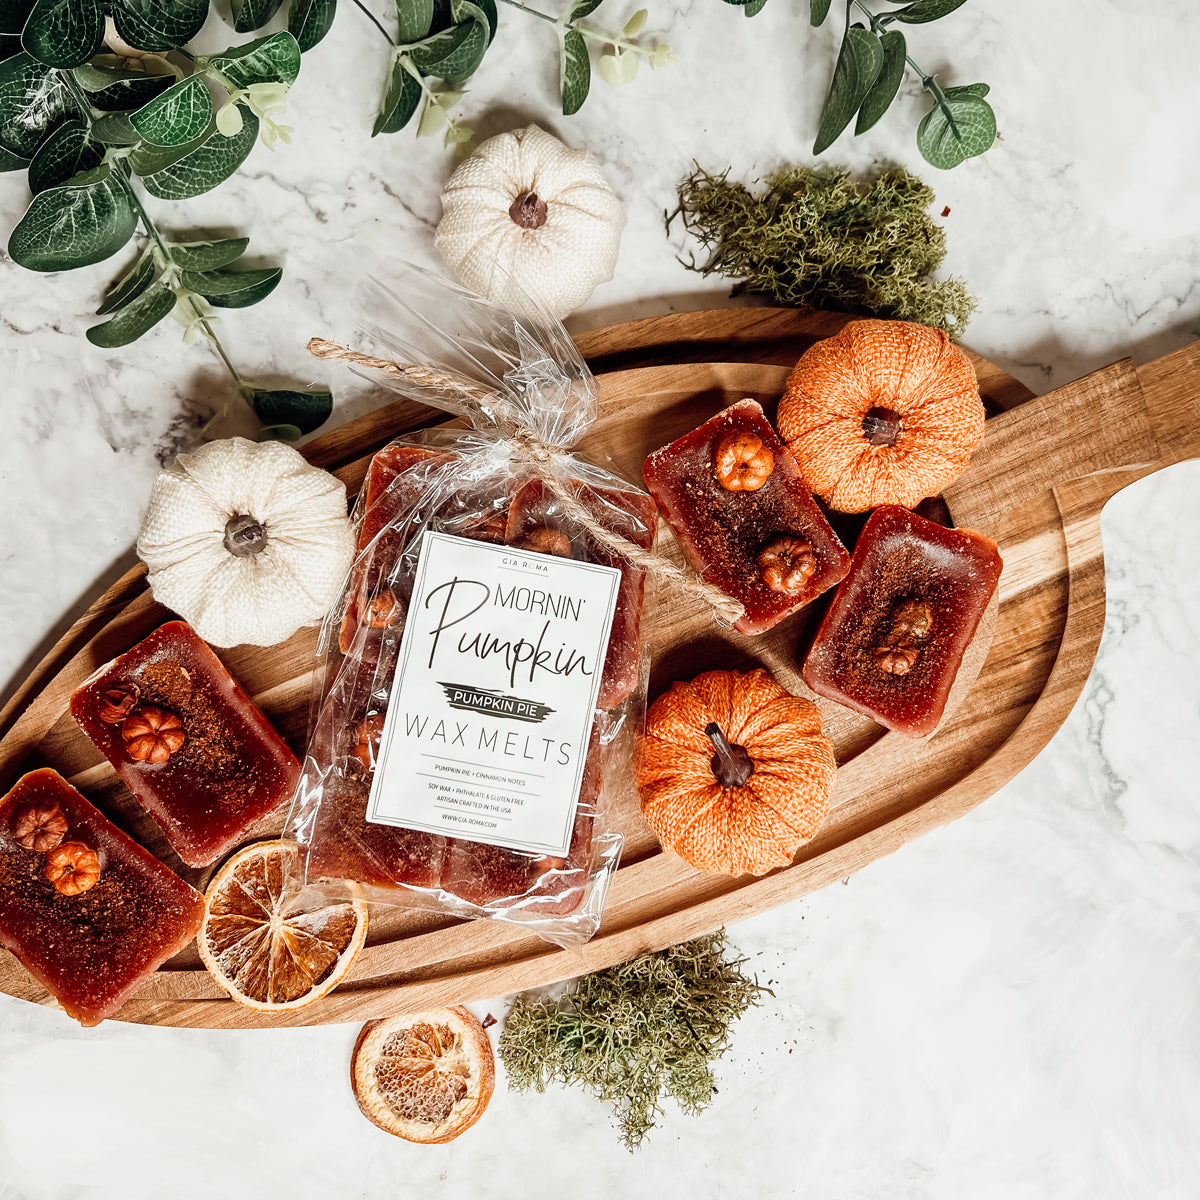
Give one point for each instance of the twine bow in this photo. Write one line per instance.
(541, 458)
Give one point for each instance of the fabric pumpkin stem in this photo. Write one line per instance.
(731, 764)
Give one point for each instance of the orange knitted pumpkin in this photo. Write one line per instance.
(735, 773)
(884, 412)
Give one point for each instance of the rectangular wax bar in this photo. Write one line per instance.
(759, 535)
(213, 767)
(92, 948)
(537, 515)
(894, 636)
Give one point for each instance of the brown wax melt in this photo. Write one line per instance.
(536, 521)
(895, 633)
(734, 497)
(87, 911)
(187, 741)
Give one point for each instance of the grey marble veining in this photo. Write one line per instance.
(1006, 1008)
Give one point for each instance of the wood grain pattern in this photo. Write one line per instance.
(1037, 485)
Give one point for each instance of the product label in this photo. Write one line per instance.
(491, 711)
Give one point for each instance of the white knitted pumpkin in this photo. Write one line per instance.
(524, 208)
(246, 541)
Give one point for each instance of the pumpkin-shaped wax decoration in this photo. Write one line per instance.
(527, 217)
(735, 773)
(884, 412)
(246, 541)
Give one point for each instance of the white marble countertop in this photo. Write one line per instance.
(1006, 1008)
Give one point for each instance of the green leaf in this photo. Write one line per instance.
(33, 102)
(233, 289)
(117, 91)
(309, 21)
(401, 98)
(69, 226)
(64, 33)
(207, 256)
(249, 15)
(754, 8)
(67, 152)
(818, 10)
(960, 127)
(180, 115)
(197, 167)
(635, 24)
(130, 286)
(968, 89)
(857, 67)
(887, 82)
(115, 130)
(454, 54)
(493, 18)
(271, 59)
(138, 316)
(14, 14)
(285, 406)
(581, 9)
(415, 18)
(282, 433)
(926, 10)
(12, 162)
(159, 24)
(575, 71)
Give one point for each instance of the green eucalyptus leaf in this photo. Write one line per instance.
(818, 10)
(415, 18)
(14, 14)
(455, 53)
(233, 289)
(575, 71)
(926, 10)
(754, 8)
(64, 33)
(112, 90)
(138, 316)
(249, 15)
(281, 433)
(271, 59)
(114, 129)
(130, 286)
(303, 410)
(12, 162)
(581, 9)
(968, 89)
(959, 127)
(401, 98)
(33, 103)
(857, 68)
(309, 21)
(70, 226)
(489, 12)
(887, 82)
(68, 151)
(159, 24)
(207, 256)
(197, 167)
(180, 115)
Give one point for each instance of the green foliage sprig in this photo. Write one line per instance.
(632, 1034)
(816, 237)
(868, 73)
(440, 44)
(101, 101)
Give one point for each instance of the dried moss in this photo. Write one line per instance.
(817, 238)
(635, 1033)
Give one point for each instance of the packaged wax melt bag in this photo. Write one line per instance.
(484, 672)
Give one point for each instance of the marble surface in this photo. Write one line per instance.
(1005, 1008)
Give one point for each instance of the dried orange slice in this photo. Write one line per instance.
(270, 946)
(425, 1076)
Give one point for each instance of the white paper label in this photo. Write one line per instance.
(490, 717)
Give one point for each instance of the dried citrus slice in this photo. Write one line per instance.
(426, 1076)
(269, 946)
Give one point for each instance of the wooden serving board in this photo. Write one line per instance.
(1037, 485)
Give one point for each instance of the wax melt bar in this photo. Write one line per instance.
(87, 911)
(187, 741)
(536, 522)
(735, 499)
(894, 636)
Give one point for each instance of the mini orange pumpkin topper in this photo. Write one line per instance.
(884, 412)
(735, 773)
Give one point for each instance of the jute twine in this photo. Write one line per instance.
(541, 457)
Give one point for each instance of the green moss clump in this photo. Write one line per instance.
(816, 238)
(633, 1033)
